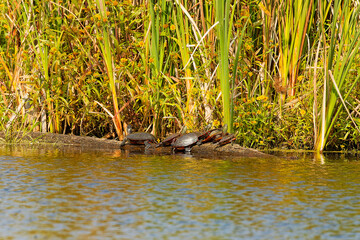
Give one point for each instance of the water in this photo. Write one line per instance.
(47, 193)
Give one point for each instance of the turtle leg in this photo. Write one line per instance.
(188, 149)
(147, 144)
(123, 142)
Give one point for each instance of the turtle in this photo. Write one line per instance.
(215, 134)
(185, 142)
(138, 138)
(228, 138)
(171, 138)
(204, 134)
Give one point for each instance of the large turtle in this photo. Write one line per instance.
(171, 138)
(138, 138)
(185, 142)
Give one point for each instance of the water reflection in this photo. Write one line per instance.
(88, 194)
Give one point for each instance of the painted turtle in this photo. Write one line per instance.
(215, 134)
(228, 138)
(171, 138)
(185, 142)
(138, 138)
(204, 134)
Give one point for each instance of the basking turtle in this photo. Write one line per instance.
(215, 134)
(138, 138)
(228, 138)
(205, 133)
(171, 138)
(185, 142)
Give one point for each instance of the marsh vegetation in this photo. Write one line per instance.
(279, 73)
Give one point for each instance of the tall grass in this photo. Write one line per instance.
(106, 49)
(339, 57)
(224, 32)
(183, 33)
(159, 16)
(294, 20)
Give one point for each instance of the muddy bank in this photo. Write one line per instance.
(59, 140)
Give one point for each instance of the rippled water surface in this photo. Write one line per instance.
(49, 193)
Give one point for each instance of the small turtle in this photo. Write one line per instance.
(228, 138)
(204, 134)
(171, 138)
(185, 142)
(138, 138)
(215, 134)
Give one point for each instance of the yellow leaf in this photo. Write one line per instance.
(263, 8)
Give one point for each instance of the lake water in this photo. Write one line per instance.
(49, 193)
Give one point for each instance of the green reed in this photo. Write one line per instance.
(339, 58)
(106, 49)
(224, 32)
(293, 26)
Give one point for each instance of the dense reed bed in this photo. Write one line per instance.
(279, 73)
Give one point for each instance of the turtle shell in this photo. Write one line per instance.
(139, 138)
(213, 134)
(217, 137)
(226, 139)
(185, 141)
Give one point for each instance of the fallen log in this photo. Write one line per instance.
(57, 140)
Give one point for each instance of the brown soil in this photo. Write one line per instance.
(60, 140)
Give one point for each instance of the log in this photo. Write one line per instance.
(58, 140)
